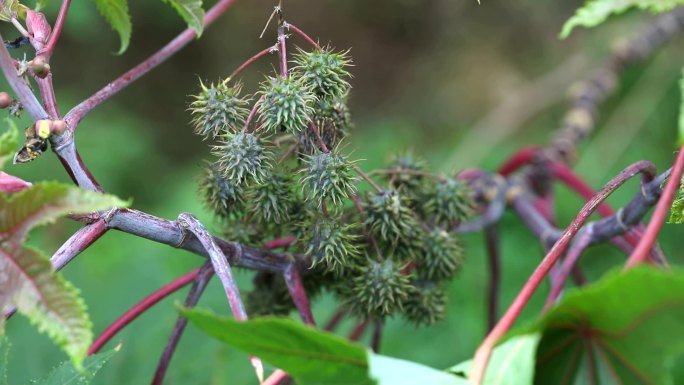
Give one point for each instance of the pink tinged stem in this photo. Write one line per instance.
(506, 322)
(569, 263)
(57, 30)
(47, 93)
(77, 113)
(250, 61)
(77, 243)
(303, 35)
(640, 253)
(140, 308)
(280, 242)
(199, 284)
(19, 86)
(275, 378)
(223, 271)
(11, 184)
(293, 280)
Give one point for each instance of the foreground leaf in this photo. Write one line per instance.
(47, 299)
(43, 203)
(313, 356)
(191, 11)
(625, 329)
(4, 352)
(595, 12)
(309, 355)
(67, 374)
(116, 14)
(512, 363)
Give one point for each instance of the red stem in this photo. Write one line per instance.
(57, 29)
(303, 35)
(358, 330)
(293, 281)
(249, 62)
(518, 160)
(280, 242)
(640, 254)
(184, 38)
(140, 308)
(506, 322)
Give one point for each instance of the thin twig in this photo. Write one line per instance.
(198, 285)
(303, 35)
(140, 308)
(293, 280)
(493, 245)
(249, 62)
(569, 263)
(57, 29)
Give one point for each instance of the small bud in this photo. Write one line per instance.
(58, 127)
(38, 27)
(43, 128)
(5, 100)
(40, 67)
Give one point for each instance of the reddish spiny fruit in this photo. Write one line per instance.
(40, 67)
(5, 100)
(58, 127)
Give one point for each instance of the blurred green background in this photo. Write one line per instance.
(462, 84)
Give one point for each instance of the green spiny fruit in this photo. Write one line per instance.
(442, 255)
(334, 112)
(402, 180)
(324, 71)
(677, 209)
(218, 109)
(389, 216)
(241, 155)
(221, 195)
(273, 198)
(269, 296)
(450, 202)
(286, 104)
(425, 305)
(328, 177)
(249, 233)
(379, 289)
(331, 243)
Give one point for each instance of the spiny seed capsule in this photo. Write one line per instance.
(5, 100)
(330, 243)
(285, 104)
(404, 179)
(217, 109)
(442, 255)
(221, 195)
(389, 216)
(379, 290)
(241, 155)
(324, 71)
(426, 304)
(269, 296)
(328, 177)
(272, 200)
(450, 202)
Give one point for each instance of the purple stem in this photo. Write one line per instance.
(377, 335)
(77, 113)
(57, 30)
(198, 286)
(293, 280)
(19, 86)
(569, 263)
(78, 242)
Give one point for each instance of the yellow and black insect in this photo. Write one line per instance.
(36, 142)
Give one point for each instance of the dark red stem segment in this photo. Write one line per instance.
(484, 351)
(293, 280)
(280, 242)
(57, 29)
(303, 35)
(335, 320)
(358, 330)
(77, 113)
(493, 244)
(249, 62)
(198, 285)
(140, 308)
(569, 263)
(640, 254)
(518, 160)
(376, 339)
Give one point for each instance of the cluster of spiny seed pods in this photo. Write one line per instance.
(279, 170)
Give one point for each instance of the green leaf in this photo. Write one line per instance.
(677, 208)
(9, 142)
(624, 329)
(311, 356)
(512, 363)
(43, 203)
(595, 12)
(67, 374)
(47, 299)
(191, 11)
(40, 4)
(393, 371)
(116, 14)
